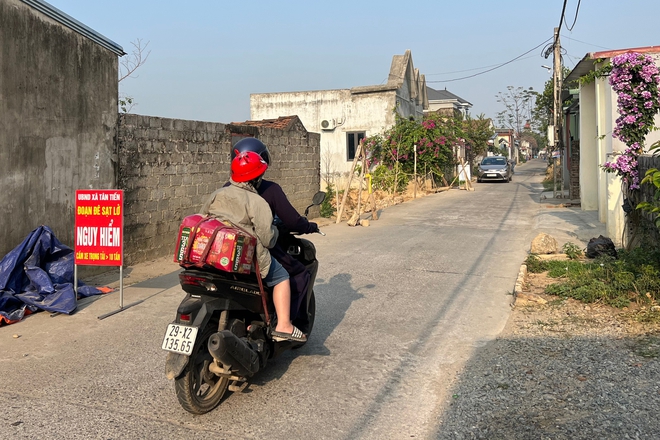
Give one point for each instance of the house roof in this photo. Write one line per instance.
(586, 64)
(444, 95)
(55, 14)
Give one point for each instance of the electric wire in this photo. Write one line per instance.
(475, 68)
(573, 59)
(551, 47)
(494, 68)
(577, 10)
(584, 42)
(563, 11)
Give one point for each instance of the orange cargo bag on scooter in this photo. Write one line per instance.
(207, 241)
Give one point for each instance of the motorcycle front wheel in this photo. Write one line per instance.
(198, 389)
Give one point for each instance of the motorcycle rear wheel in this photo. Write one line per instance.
(198, 389)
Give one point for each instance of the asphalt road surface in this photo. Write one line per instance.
(401, 307)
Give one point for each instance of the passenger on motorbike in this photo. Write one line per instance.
(291, 220)
(240, 203)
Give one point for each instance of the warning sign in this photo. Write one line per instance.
(99, 227)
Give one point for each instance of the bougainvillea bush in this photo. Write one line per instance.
(635, 78)
(434, 137)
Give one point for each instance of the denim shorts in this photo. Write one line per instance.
(276, 273)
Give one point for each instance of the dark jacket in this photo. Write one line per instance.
(281, 207)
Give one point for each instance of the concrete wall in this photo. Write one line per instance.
(58, 116)
(589, 165)
(169, 167)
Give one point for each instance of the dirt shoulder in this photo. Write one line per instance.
(578, 318)
(561, 369)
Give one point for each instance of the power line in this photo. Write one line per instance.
(584, 42)
(563, 11)
(577, 10)
(494, 68)
(573, 58)
(469, 70)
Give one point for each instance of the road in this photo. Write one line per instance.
(401, 307)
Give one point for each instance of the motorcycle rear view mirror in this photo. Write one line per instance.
(318, 198)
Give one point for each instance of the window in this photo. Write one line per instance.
(493, 161)
(352, 141)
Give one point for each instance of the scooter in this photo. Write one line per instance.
(221, 335)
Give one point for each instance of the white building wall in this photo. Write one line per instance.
(368, 112)
(589, 166)
(614, 214)
(602, 118)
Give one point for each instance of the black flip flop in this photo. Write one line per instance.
(296, 335)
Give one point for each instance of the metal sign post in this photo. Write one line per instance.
(99, 237)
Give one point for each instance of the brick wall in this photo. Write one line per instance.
(574, 172)
(168, 167)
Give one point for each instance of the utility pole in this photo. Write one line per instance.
(557, 83)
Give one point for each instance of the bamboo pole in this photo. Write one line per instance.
(340, 211)
(355, 218)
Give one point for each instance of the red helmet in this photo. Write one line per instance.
(247, 166)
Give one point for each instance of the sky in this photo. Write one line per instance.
(207, 56)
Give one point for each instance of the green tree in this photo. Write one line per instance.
(544, 105)
(476, 133)
(518, 103)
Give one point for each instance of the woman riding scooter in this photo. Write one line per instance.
(239, 203)
(291, 220)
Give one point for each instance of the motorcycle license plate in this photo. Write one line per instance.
(179, 338)
(491, 175)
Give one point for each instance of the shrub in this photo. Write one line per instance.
(535, 264)
(634, 276)
(327, 208)
(383, 178)
(572, 251)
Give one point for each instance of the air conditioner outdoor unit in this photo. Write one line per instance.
(328, 124)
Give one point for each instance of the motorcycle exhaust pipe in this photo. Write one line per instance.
(234, 353)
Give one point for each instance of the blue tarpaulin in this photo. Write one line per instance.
(38, 275)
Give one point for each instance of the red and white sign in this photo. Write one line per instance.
(99, 227)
